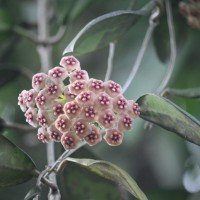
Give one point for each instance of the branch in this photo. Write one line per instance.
(45, 53)
(40, 41)
(58, 36)
(172, 48)
(54, 191)
(18, 127)
(26, 34)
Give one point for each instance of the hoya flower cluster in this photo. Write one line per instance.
(70, 107)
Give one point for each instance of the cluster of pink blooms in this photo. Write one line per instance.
(70, 107)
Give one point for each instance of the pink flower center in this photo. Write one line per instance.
(114, 87)
(41, 99)
(104, 99)
(97, 84)
(79, 74)
(122, 103)
(108, 118)
(90, 112)
(127, 121)
(55, 136)
(115, 137)
(38, 79)
(52, 89)
(58, 109)
(70, 61)
(79, 128)
(42, 120)
(72, 108)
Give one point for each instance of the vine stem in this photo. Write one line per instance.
(172, 48)
(61, 158)
(111, 54)
(152, 25)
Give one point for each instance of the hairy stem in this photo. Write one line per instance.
(172, 60)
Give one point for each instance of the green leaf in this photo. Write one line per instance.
(34, 192)
(78, 8)
(101, 31)
(105, 29)
(161, 35)
(89, 185)
(111, 172)
(6, 21)
(8, 74)
(15, 165)
(191, 93)
(166, 114)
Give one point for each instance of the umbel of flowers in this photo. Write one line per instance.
(70, 107)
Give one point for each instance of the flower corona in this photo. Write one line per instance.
(82, 110)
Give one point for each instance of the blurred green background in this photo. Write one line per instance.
(157, 159)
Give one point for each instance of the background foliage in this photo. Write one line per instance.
(157, 159)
